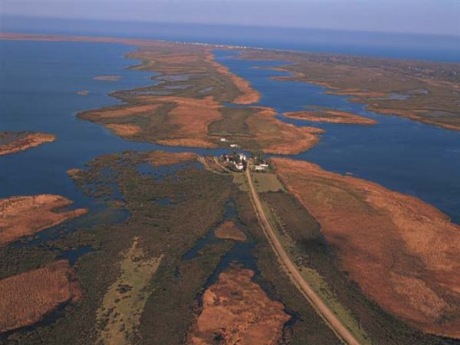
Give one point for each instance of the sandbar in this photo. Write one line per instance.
(402, 252)
(26, 215)
(27, 297)
(107, 77)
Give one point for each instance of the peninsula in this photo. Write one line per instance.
(331, 116)
(428, 92)
(12, 142)
(181, 247)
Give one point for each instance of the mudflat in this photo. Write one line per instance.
(401, 251)
(25, 298)
(25, 215)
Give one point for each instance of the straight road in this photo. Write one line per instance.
(322, 309)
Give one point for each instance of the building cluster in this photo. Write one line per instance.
(239, 162)
(236, 161)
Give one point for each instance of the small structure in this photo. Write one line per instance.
(236, 161)
(223, 140)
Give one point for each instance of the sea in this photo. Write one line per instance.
(40, 84)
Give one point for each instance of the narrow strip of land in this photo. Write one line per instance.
(325, 312)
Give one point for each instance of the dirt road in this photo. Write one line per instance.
(329, 317)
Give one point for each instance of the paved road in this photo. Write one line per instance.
(294, 274)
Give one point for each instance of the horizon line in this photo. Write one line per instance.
(451, 35)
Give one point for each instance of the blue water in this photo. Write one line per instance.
(403, 155)
(393, 45)
(38, 92)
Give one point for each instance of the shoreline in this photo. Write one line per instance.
(422, 91)
(411, 242)
(21, 141)
(331, 116)
(175, 111)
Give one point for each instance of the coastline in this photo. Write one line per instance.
(418, 90)
(265, 133)
(400, 239)
(331, 116)
(13, 142)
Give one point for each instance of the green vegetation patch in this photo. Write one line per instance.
(119, 316)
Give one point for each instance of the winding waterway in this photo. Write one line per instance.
(38, 92)
(39, 89)
(401, 154)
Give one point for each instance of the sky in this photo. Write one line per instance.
(407, 16)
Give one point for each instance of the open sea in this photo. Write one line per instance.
(39, 82)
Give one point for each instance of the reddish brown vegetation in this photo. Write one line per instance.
(124, 130)
(402, 252)
(27, 297)
(248, 94)
(237, 311)
(25, 215)
(332, 116)
(229, 231)
(191, 117)
(109, 113)
(25, 142)
(158, 158)
(278, 137)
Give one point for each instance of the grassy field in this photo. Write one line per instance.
(118, 318)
